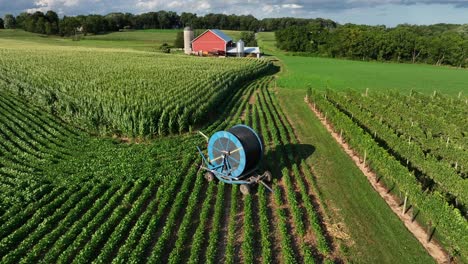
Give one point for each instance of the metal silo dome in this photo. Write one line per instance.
(240, 48)
(188, 37)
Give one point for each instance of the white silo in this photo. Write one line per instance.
(188, 37)
(240, 48)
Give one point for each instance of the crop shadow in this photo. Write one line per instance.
(285, 157)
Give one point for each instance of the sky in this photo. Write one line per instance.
(371, 12)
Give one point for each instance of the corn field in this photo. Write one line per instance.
(123, 92)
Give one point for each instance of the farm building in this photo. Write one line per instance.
(216, 42)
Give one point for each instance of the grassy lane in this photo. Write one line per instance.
(369, 230)
(341, 74)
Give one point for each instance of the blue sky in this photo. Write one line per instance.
(373, 12)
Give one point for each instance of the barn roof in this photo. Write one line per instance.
(247, 50)
(218, 33)
(221, 34)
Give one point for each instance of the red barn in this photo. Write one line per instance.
(212, 41)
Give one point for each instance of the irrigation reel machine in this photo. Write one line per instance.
(233, 157)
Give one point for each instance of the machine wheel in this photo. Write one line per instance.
(209, 176)
(268, 176)
(245, 189)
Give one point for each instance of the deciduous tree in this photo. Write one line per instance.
(9, 21)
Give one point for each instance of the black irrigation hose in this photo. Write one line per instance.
(251, 144)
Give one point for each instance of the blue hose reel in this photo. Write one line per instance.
(234, 156)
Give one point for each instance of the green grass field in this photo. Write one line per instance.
(344, 74)
(321, 73)
(144, 40)
(150, 35)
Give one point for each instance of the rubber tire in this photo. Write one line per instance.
(209, 176)
(245, 189)
(268, 176)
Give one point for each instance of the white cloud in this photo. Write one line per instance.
(291, 6)
(148, 4)
(204, 5)
(259, 8)
(175, 4)
(268, 9)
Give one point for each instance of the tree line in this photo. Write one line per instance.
(439, 44)
(49, 23)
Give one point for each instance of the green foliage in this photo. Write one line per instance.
(425, 131)
(450, 223)
(39, 22)
(330, 175)
(248, 242)
(282, 134)
(68, 26)
(165, 48)
(293, 39)
(162, 19)
(9, 21)
(214, 238)
(308, 93)
(127, 93)
(248, 38)
(423, 44)
(66, 196)
(179, 41)
(286, 238)
(229, 255)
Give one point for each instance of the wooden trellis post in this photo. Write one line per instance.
(404, 203)
(429, 229)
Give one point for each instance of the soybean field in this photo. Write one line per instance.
(69, 197)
